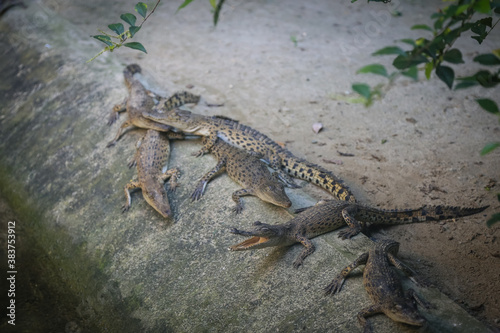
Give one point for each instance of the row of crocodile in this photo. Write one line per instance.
(246, 154)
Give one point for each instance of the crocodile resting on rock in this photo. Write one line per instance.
(329, 215)
(260, 145)
(140, 100)
(383, 286)
(151, 156)
(248, 171)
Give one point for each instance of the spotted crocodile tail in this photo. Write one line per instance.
(179, 99)
(317, 175)
(425, 213)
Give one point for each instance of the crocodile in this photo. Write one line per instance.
(245, 137)
(384, 286)
(328, 215)
(248, 171)
(140, 100)
(151, 156)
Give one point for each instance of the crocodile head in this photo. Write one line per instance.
(157, 198)
(183, 120)
(404, 310)
(263, 235)
(273, 193)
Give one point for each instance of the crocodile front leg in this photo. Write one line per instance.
(338, 281)
(200, 188)
(369, 311)
(119, 133)
(237, 198)
(130, 186)
(306, 252)
(209, 142)
(173, 174)
(354, 225)
(115, 113)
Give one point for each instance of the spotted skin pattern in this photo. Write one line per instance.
(233, 132)
(383, 286)
(330, 215)
(151, 157)
(248, 171)
(140, 100)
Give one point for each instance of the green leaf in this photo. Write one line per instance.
(129, 18)
(488, 59)
(461, 9)
(362, 89)
(213, 3)
(465, 84)
(105, 39)
(482, 6)
(421, 27)
(494, 219)
(406, 61)
(409, 41)
(135, 46)
(133, 30)
(217, 11)
(489, 148)
(374, 69)
(488, 105)
(389, 50)
(184, 4)
(141, 8)
(428, 69)
(446, 74)
(117, 28)
(412, 73)
(453, 56)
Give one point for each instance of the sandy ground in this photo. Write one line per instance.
(419, 145)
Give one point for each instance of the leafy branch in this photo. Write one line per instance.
(122, 35)
(430, 55)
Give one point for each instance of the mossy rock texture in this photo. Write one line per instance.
(110, 271)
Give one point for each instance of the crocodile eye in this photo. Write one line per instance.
(257, 223)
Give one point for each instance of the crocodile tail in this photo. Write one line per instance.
(179, 99)
(317, 175)
(425, 213)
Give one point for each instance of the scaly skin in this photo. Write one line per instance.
(151, 157)
(383, 286)
(248, 171)
(329, 215)
(255, 142)
(139, 101)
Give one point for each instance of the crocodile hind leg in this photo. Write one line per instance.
(369, 311)
(306, 252)
(338, 281)
(130, 186)
(200, 187)
(115, 113)
(237, 198)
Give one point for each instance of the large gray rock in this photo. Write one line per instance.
(136, 272)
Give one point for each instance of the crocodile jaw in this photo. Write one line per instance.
(255, 242)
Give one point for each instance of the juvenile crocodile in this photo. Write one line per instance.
(383, 286)
(329, 215)
(151, 156)
(139, 100)
(248, 171)
(257, 143)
